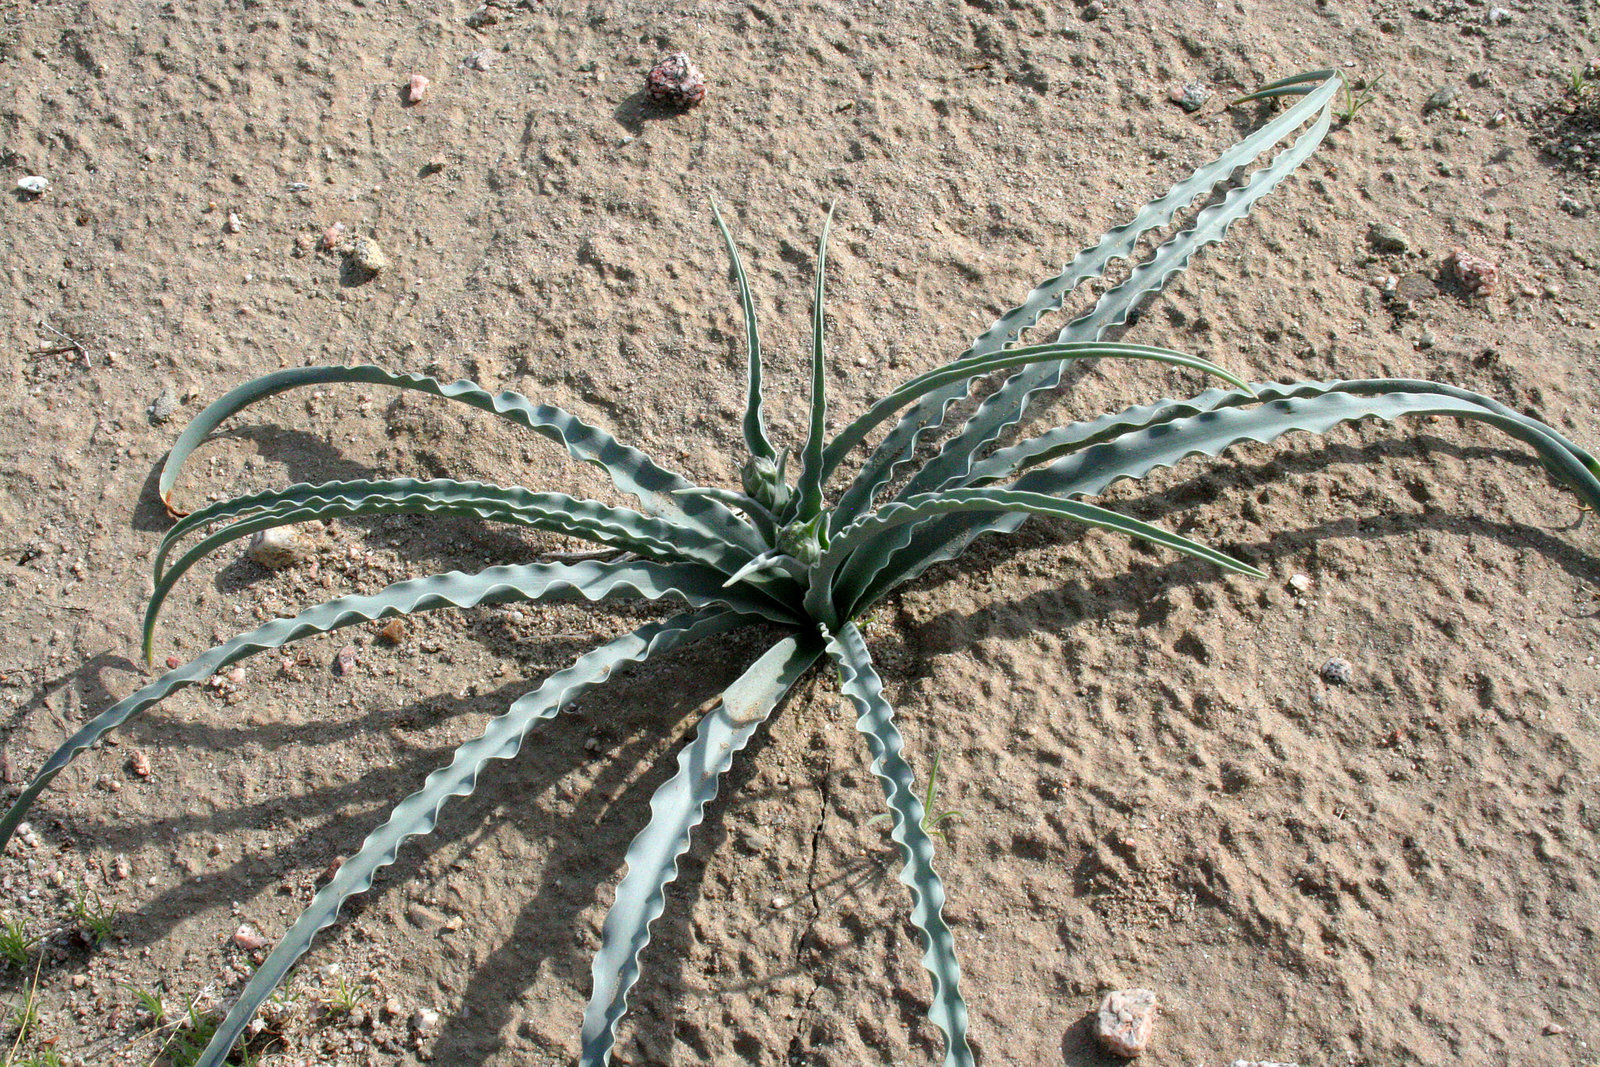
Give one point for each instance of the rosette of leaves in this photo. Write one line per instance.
(798, 556)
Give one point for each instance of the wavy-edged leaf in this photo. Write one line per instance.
(969, 367)
(807, 503)
(631, 470)
(1118, 243)
(861, 685)
(1006, 406)
(677, 807)
(1296, 85)
(419, 812)
(765, 522)
(1277, 409)
(552, 512)
(862, 543)
(1078, 437)
(755, 430)
(570, 516)
(690, 582)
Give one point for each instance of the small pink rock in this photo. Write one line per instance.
(345, 662)
(173, 663)
(139, 763)
(676, 80)
(1126, 1019)
(333, 237)
(249, 938)
(417, 88)
(1477, 275)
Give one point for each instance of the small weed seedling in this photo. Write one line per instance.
(1352, 102)
(16, 944)
(92, 914)
(345, 995)
(23, 1015)
(1578, 81)
(930, 820)
(150, 1002)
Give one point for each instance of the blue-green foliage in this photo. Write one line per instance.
(806, 559)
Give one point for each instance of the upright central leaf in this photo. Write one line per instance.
(810, 491)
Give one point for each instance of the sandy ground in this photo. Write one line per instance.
(1157, 787)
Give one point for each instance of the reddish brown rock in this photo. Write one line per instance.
(1126, 1019)
(1477, 275)
(676, 81)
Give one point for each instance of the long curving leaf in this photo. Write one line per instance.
(807, 503)
(631, 470)
(698, 586)
(764, 521)
(1092, 262)
(755, 430)
(571, 516)
(1078, 437)
(553, 512)
(860, 682)
(969, 367)
(677, 807)
(1278, 408)
(862, 544)
(1006, 406)
(419, 812)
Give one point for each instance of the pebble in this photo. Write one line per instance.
(304, 243)
(1300, 584)
(1191, 97)
(236, 676)
(483, 16)
(1261, 1063)
(280, 547)
(479, 60)
(676, 80)
(393, 632)
(1553, 1029)
(1338, 672)
(424, 1020)
(163, 407)
(1125, 1021)
(368, 256)
(333, 237)
(233, 225)
(417, 88)
(1498, 16)
(1441, 98)
(345, 662)
(121, 869)
(1477, 275)
(1388, 238)
(33, 184)
(1093, 10)
(249, 938)
(139, 763)
(173, 662)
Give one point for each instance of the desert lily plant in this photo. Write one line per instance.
(800, 558)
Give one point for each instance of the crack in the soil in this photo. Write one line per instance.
(795, 1052)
